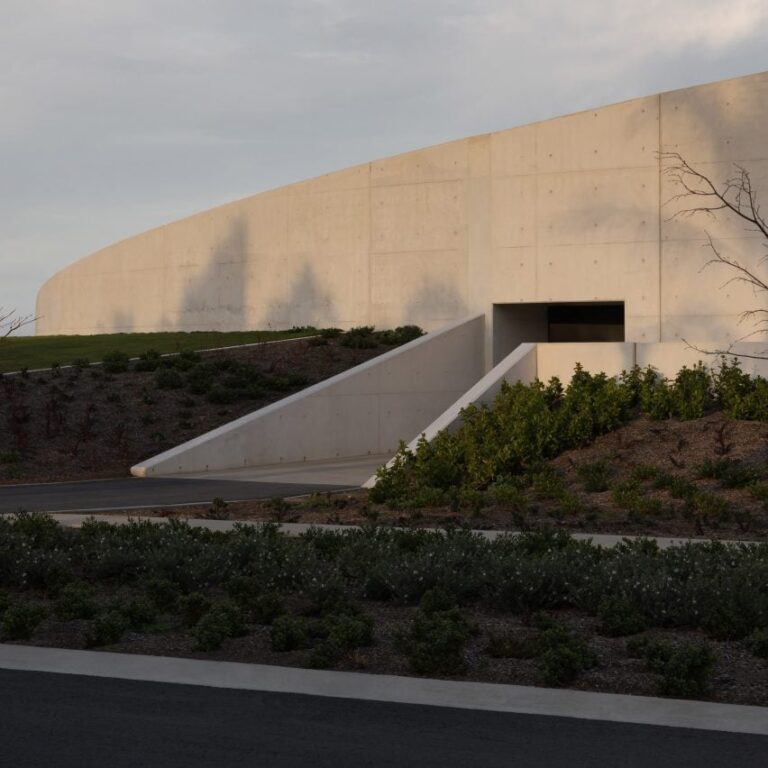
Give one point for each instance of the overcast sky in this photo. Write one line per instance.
(118, 116)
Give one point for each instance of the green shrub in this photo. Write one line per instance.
(115, 362)
(595, 475)
(348, 632)
(619, 616)
(139, 612)
(685, 668)
(5, 600)
(757, 643)
(731, 473)
(401, 335)
(75, 601)
(148, 361)
(164, 593)
(330, 333)
(687, 671)
(107, 629)
(564, 655)
(290, 633)
(362, 337)
(168, 378)
(266, 608)
(436, 641)
(193, 607)
(20, 621)
(221, 621)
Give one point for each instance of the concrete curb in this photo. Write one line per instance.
(75, 520)
(492, 697)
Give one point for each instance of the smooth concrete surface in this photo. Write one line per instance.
(71, 721)
(350, 473)
(519, 365)
(132, 493)
(560, 360)
(667, 358)
(75, 520)
(574, 209)
(364, 411)
(389, 688)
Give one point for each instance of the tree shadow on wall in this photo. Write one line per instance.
(305, 303)
(435, 302)
(214, 298)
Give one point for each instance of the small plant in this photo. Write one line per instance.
(139, 612)
(168, 378)
(347, 632)
(564, 655)
(75, 601)
(107, 629)
(595, 475)
(148, 361)
(115, 362)
(361, 337)
(618, 617)
(731, 473)
(280, 508)
(163, 592)
(223, 620)
(219, 510)
(757, 643)
(685, 669)
(436, 641)
(193, 607)
(290, 633)
(20, 621)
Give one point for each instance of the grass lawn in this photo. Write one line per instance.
(42, 351)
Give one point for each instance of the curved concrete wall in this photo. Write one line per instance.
(570, 209)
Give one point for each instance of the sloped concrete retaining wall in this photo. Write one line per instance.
(364, 411)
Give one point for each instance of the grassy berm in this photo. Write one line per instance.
(92, 421)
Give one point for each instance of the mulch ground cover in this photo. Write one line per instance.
(74, 423)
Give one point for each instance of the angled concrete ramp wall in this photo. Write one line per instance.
(366, 410)
(519, 365)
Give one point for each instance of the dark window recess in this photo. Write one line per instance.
(585, 322)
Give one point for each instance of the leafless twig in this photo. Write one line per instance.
(736, 196)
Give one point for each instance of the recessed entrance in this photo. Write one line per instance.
(581, 321)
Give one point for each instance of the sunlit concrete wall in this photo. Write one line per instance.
(366, 410)
(571, 209)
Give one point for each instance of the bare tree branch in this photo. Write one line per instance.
(736, 196)
(10, 322)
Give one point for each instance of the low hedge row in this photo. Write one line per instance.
(718, 587)
(528, 424)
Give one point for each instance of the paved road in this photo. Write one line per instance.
(70, 721)
(93, 495)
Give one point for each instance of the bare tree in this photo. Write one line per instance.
(11, 321)
(737, 198)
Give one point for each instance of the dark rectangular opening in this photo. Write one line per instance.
(579, 321)
(585, 322)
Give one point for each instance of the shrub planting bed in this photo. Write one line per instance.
(89, 422)
(540, 609)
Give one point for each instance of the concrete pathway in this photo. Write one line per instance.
(136, 493)
(341, 472)
(180, 490)
(75, 520)
(519, 699)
